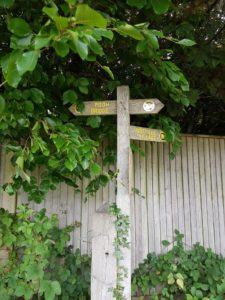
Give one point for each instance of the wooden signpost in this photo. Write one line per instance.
(104, 264)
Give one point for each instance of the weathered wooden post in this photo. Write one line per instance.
(123, 182)
(104, 264)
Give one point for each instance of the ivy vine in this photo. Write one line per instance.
(122, 224)
(40, 264)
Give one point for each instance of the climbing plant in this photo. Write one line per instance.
(58, 53)
(40, 264)
(181, 274)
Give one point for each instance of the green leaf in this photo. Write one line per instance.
(19, 27)
(53, 163)
(137, 3)
(104, 32)
(186, 42)
(20, 162)
(71, 2)
(108, 71)
(180, 283)
(28, 106)
(41, 42)
(69, 96)
(94, 121)
(82, 48)
(82, 81)
(70, 164)
(34, 271)
(52, 12)
(85, 164)
(56, 287)
(27, 61)
(170, 279)
(9, 68)
(94, 45)
(153, 40)
(165, 243)
(129, 30)
(2, 104)
(6, 3)
(61, 48)
(20, 291)
(20, 42)
(95, 168)
(61, 22)
(160, 6)
(83, 89)
(88, 16)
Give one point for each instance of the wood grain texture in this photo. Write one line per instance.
(123, 183)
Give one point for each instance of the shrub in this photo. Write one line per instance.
(40, 265)
(181, 274)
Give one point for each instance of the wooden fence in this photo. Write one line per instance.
(187, 193)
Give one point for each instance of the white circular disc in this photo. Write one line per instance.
(149, 105)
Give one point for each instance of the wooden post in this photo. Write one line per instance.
(123, 184)
(104, 265)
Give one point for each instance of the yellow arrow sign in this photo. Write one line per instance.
(146, 134)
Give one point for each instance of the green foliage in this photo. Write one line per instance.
(181, 274)
(58, 53)
(40, 265)
(122, 224)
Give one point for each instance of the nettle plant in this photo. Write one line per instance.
(40, 265)
(63, 52)
(181, 274)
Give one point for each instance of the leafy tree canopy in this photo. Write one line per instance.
(63, 52)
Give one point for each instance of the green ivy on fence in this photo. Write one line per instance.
(181, 274)
(40, 264)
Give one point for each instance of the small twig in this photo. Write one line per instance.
(4, 82)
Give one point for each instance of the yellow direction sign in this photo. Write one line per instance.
(136, 107)
(146, 134)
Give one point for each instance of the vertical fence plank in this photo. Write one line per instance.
(143, 200)
(222, 153)
(84, 218)
(186, 197)
(180, 204)
(209, 194)
(214, 194)
(162, 201)
(77, 216)
(220, 207)
(133, 217)
(198, 208)
(202, 178)
(155, 188)
(169, 215)
(192, 189)
(174, 193)
(138, 224)
(150, 206)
